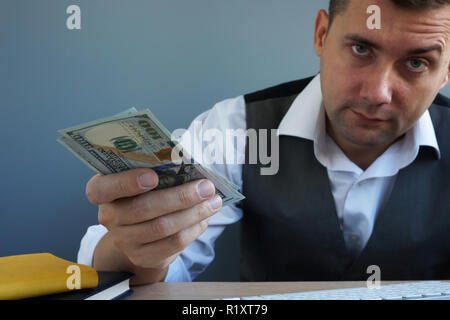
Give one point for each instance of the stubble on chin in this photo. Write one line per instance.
(342, 124)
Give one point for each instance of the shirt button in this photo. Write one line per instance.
(354, 238)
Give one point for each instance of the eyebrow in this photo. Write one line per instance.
(436, 47)
(374, 45)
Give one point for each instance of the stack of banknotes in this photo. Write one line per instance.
(136, 139)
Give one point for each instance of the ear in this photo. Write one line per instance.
(445, 81)
(320, 31)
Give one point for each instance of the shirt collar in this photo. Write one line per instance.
(301, 119)
(306, 119)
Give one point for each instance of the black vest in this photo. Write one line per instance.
(290, 229)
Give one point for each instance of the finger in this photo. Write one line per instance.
(103, 189)
(170, 224)
(160, 202)
(150, 254)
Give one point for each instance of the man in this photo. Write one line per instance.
(363, 174)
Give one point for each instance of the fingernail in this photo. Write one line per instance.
(215, 202)
(147, 180)
(205, 189)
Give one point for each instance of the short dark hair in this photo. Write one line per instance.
(339, 6)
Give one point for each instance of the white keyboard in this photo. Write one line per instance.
(424, 290)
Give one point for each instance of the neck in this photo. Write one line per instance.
(362, 156)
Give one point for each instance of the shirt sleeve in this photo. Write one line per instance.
(89, 242)
(225, 116)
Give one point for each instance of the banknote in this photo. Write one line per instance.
(137, 139)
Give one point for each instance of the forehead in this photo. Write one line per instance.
(399, 26)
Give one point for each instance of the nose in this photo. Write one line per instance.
(376, 88)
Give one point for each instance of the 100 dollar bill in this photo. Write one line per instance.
(135, 140)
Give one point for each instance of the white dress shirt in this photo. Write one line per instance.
(359, 195)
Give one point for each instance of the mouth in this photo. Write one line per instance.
(367, 119)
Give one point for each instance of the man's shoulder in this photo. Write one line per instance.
(278, 91)
(235, 107)
(440, 110)
(442, 101)
(440, 116)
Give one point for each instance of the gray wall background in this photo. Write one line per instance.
(177, 57)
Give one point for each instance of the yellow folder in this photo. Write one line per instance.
(38, 274)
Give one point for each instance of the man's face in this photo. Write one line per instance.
(377, 83)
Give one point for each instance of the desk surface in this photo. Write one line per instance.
(217, 290)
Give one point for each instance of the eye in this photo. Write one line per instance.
(415, 65)
(360, 50)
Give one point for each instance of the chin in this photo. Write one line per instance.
(367, 139)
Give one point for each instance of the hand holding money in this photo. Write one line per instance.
(152, 205)
(151, 228)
